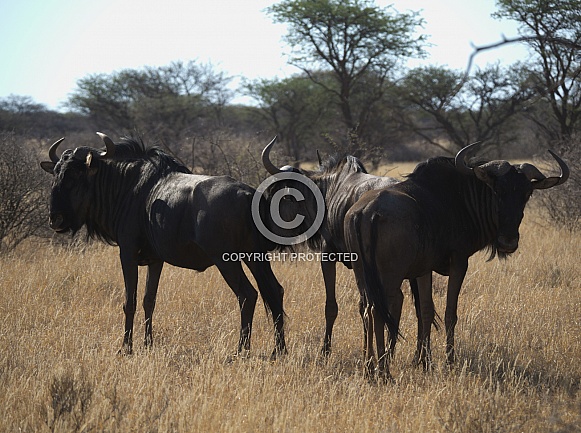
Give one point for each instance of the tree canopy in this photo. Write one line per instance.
(552, 28)
(352, 39)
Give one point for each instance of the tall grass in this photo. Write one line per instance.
(518, 350)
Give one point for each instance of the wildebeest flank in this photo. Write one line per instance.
(435, 220)
(156, 211)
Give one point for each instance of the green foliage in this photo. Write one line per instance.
(164, 101)
(23, 116)
(351, 39)
(552, 28)
(437, 103)
(552, 17)
(352, 84)
(297, 108)
(354, 32)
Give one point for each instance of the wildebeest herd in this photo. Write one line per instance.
(153, 207)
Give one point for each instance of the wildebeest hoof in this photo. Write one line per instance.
(125, 351)
(242, 354)
(385, 377)
(277, 354)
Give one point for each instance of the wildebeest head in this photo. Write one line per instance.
(73, 176)
(512, 185)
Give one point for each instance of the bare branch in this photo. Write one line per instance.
(506, 41)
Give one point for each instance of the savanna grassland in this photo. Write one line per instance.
(518, 350)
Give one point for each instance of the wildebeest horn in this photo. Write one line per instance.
(270, 167)
(539, 181)
(319, 158)
(52, 150)
(460, 160)
(108, 144)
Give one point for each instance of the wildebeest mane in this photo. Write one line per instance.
(439, 161)
(339, 162)
(133, 167)
(330, 171)
(336, 164)
(441, 171)
(423, 168)
(132, 148)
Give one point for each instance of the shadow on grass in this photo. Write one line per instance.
(501, 367)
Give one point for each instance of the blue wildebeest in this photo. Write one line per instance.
(443, 213)
(156, 211)
(342, 181)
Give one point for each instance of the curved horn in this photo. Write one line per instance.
(270, 167)
(550, 182)
(319, 158)
(460, 160)
(562, 166)
(108, 144)
(52, 150)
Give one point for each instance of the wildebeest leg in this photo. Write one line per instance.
(247, 296)
(368, 335)
(383, 356)
(394, 298)
(458, 268)
(365, 318)
(331, 308)
(153, 274)
(416, 297)
(395, 306)
(367, 321)
(130, 275)
(272, 294)
(363, 313)
(425, 313)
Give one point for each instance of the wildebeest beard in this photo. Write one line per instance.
(495, 252)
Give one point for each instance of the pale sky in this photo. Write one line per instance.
(46, 46)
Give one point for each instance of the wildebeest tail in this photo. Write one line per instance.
(373, 286)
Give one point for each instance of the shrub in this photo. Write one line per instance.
(563, 203)
(23, 196)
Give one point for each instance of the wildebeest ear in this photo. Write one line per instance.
(48, 166)
(90, 170)
(488, 172)
(531, 172)
(484, 176)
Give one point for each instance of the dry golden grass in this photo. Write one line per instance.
(518, 348)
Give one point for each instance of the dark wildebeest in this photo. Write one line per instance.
(156, 211)
(341, 181)
(444, 212)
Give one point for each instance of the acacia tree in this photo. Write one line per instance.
(351, 39)
(165, 101)
(296, 108)
(552, 29)
(438, 102)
